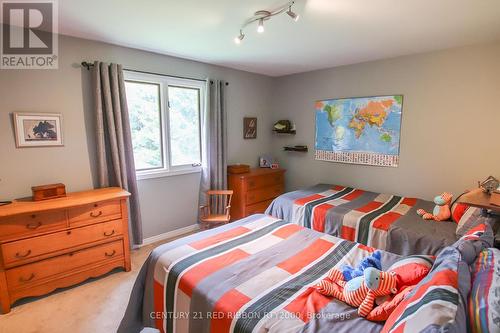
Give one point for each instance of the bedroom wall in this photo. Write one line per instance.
(450, 122)
(167, 203)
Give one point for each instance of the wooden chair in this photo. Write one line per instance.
(216, 211)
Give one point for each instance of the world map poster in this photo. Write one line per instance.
(361, 130)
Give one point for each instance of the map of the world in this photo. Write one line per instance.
(364, 130)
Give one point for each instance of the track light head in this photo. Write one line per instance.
(260, 28)
(292, 14)
(238, 39)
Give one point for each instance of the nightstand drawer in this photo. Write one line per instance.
(94, 213)
(15, 253)
(264, 193)
(31, 224)
(265, 180)
(32, 273)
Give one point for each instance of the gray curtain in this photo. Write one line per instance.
(115, 157)
(214, 140)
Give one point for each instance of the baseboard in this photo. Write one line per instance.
(170, 234)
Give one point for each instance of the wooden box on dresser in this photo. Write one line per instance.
(255, 190)
(57, 243)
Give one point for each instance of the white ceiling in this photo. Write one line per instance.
(329, 33)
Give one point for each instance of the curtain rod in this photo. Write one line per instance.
(88, 65)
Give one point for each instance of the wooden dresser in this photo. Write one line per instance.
(254, 190)
(57, 243)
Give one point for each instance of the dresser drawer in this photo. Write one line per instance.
(264, 193)
(19, 251)
(29, 274)
(264, 180)
(31, 224)
(96, 212)
(257, 208)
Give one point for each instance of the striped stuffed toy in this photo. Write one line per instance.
(361, 291)
(442, 211)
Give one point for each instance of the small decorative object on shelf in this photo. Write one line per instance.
(296, 148)
(284, 127)
(51, 191)
(238, 168)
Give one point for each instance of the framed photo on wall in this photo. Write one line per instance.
(38, 129)
(249, 128)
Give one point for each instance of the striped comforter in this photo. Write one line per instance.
(365, 217)
(253, 275)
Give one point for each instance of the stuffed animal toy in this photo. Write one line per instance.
(372, 260)
(361, 291)
(441, 211)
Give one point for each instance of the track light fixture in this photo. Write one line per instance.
(260, 28)
(292, 14)
(264, 15)
(239, 38)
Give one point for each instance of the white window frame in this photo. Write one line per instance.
(164, 82)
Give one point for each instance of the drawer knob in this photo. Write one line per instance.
(34, 226)
(96, 215)
(109, 234)
(109, 255)
(19, 255)
(32, 276)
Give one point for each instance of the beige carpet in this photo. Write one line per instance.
(92, 307)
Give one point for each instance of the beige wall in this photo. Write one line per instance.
(449, 138)
(167, 203)
(451, 120)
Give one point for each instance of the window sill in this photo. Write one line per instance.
(163, 173)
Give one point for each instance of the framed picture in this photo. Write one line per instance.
(38, 129)
(249, 128)
(359, 130)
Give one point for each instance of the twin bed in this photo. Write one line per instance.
(253, 275)
(383, 221)
(258, 274)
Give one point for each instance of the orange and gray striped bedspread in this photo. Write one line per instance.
(253, 275)
(382, 221)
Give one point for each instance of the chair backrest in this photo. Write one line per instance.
(218, 201)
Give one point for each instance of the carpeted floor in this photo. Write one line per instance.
(95, 306)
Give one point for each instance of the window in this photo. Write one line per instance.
(165, 115)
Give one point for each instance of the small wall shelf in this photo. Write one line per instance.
(290, 132)
(302, 149)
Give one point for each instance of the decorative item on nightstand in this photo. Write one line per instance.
(489, 185)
